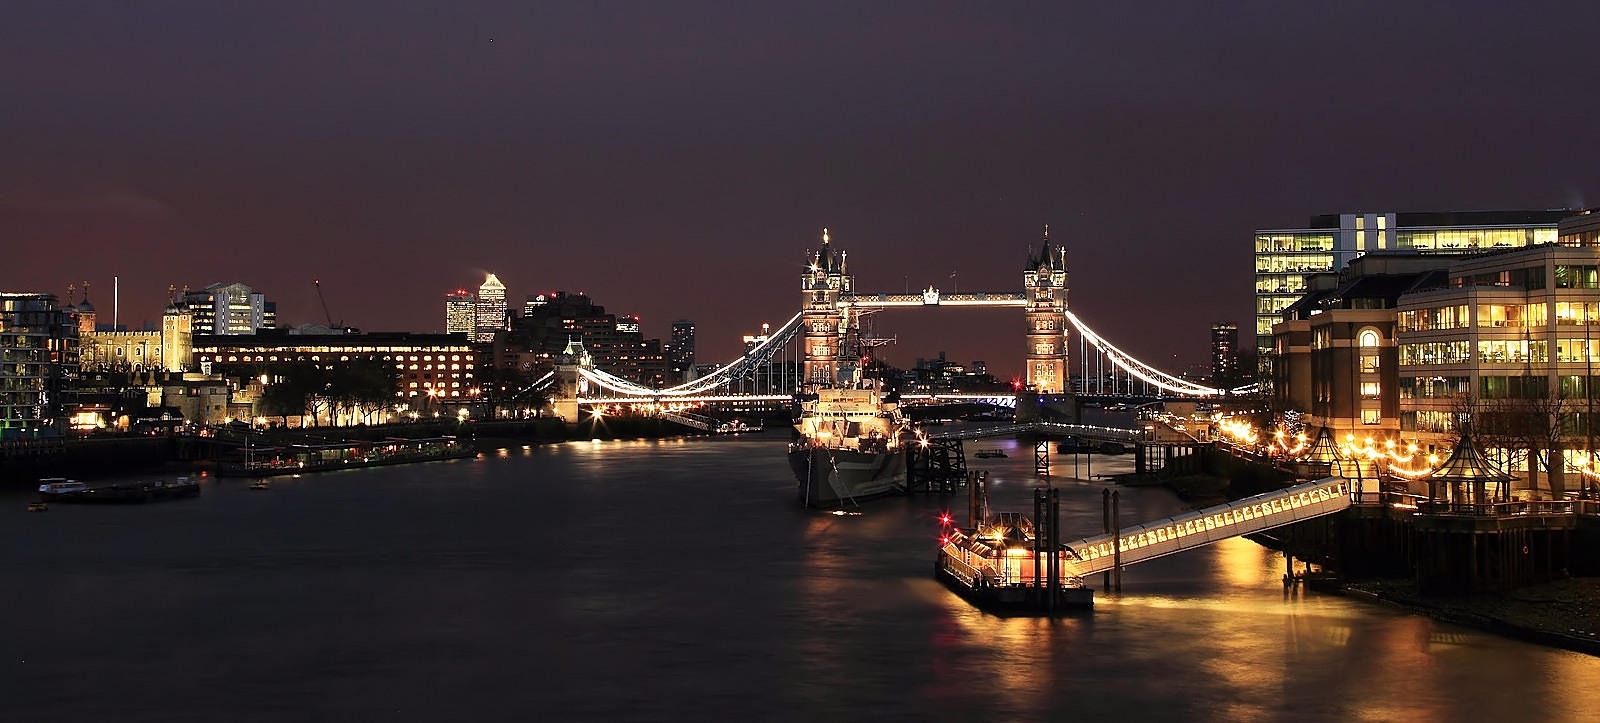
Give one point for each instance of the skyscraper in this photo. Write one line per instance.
(680, 351)
(1224, 355)
(461, 313)
(491, 309)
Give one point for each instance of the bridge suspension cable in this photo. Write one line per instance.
(753, 359)
(1150, 375)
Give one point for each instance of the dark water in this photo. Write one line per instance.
(677, 580)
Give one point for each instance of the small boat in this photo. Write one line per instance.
(57, 489)
(989, 453)
(59, 485)
(38, 507)
(261, 484)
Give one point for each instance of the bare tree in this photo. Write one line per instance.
(1534, 422)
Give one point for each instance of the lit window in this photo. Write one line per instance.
(1369, 416)
(1369, 337)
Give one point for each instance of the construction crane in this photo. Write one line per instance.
(318, 283)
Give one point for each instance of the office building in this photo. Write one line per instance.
(1224, 355)
(491, 308)
(461, 312)
(680, 350)
(227, 309)
(1284, 257)
(550, 321)
(1405, 348)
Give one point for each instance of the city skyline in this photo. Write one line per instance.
(680, 161)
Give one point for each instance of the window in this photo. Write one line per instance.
(1369, 416)
(1369, 337)
(1369, 363)
(1369, 390)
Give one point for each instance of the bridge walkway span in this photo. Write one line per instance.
(1081, 431)
(1202, 527)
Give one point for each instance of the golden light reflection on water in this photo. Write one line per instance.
(1038, 645)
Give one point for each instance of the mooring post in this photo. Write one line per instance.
(1116, 540)
(1054, 575)
(1105, 527)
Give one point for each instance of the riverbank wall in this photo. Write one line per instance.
(23, 464)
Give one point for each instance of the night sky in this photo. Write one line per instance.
(676, 160)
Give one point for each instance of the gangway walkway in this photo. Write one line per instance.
(694, 421)
(1086, 431)
(1202, 527)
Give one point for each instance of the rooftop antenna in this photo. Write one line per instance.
(116, 299)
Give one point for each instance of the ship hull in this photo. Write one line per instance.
(830, 478)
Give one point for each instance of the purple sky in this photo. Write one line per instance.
(676, 159)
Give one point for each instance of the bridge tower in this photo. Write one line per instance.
(824, 281)
(1045, 280)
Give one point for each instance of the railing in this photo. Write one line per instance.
(1499, 509)
(1401, 500)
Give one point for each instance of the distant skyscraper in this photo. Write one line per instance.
(680, 351)
(461, 313)
(1224, 355)
(491, 309)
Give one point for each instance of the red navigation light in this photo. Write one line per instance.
(945, 540)
(1016, 383)
(945, 518)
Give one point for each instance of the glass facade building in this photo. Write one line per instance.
(1283, 257)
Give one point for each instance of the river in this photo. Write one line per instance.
(678, 580)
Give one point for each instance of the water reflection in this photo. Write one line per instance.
(661, 580)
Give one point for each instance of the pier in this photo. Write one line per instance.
(1012, 563)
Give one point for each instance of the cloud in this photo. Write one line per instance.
(101, 201)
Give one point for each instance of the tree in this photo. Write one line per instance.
(1528, 416)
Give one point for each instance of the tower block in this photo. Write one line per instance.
(1046, 317)
(824, 281)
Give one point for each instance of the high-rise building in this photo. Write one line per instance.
(1224, 355)
(491, 308)
(38, 363)
(680, 350)
(461, 312)
(553, 320)
(1283, 257)
(225, 309)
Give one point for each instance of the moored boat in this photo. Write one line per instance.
(70, 491)
(850, 446)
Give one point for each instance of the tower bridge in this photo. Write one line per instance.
(823, 345)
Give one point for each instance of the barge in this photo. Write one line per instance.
(72, 492)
